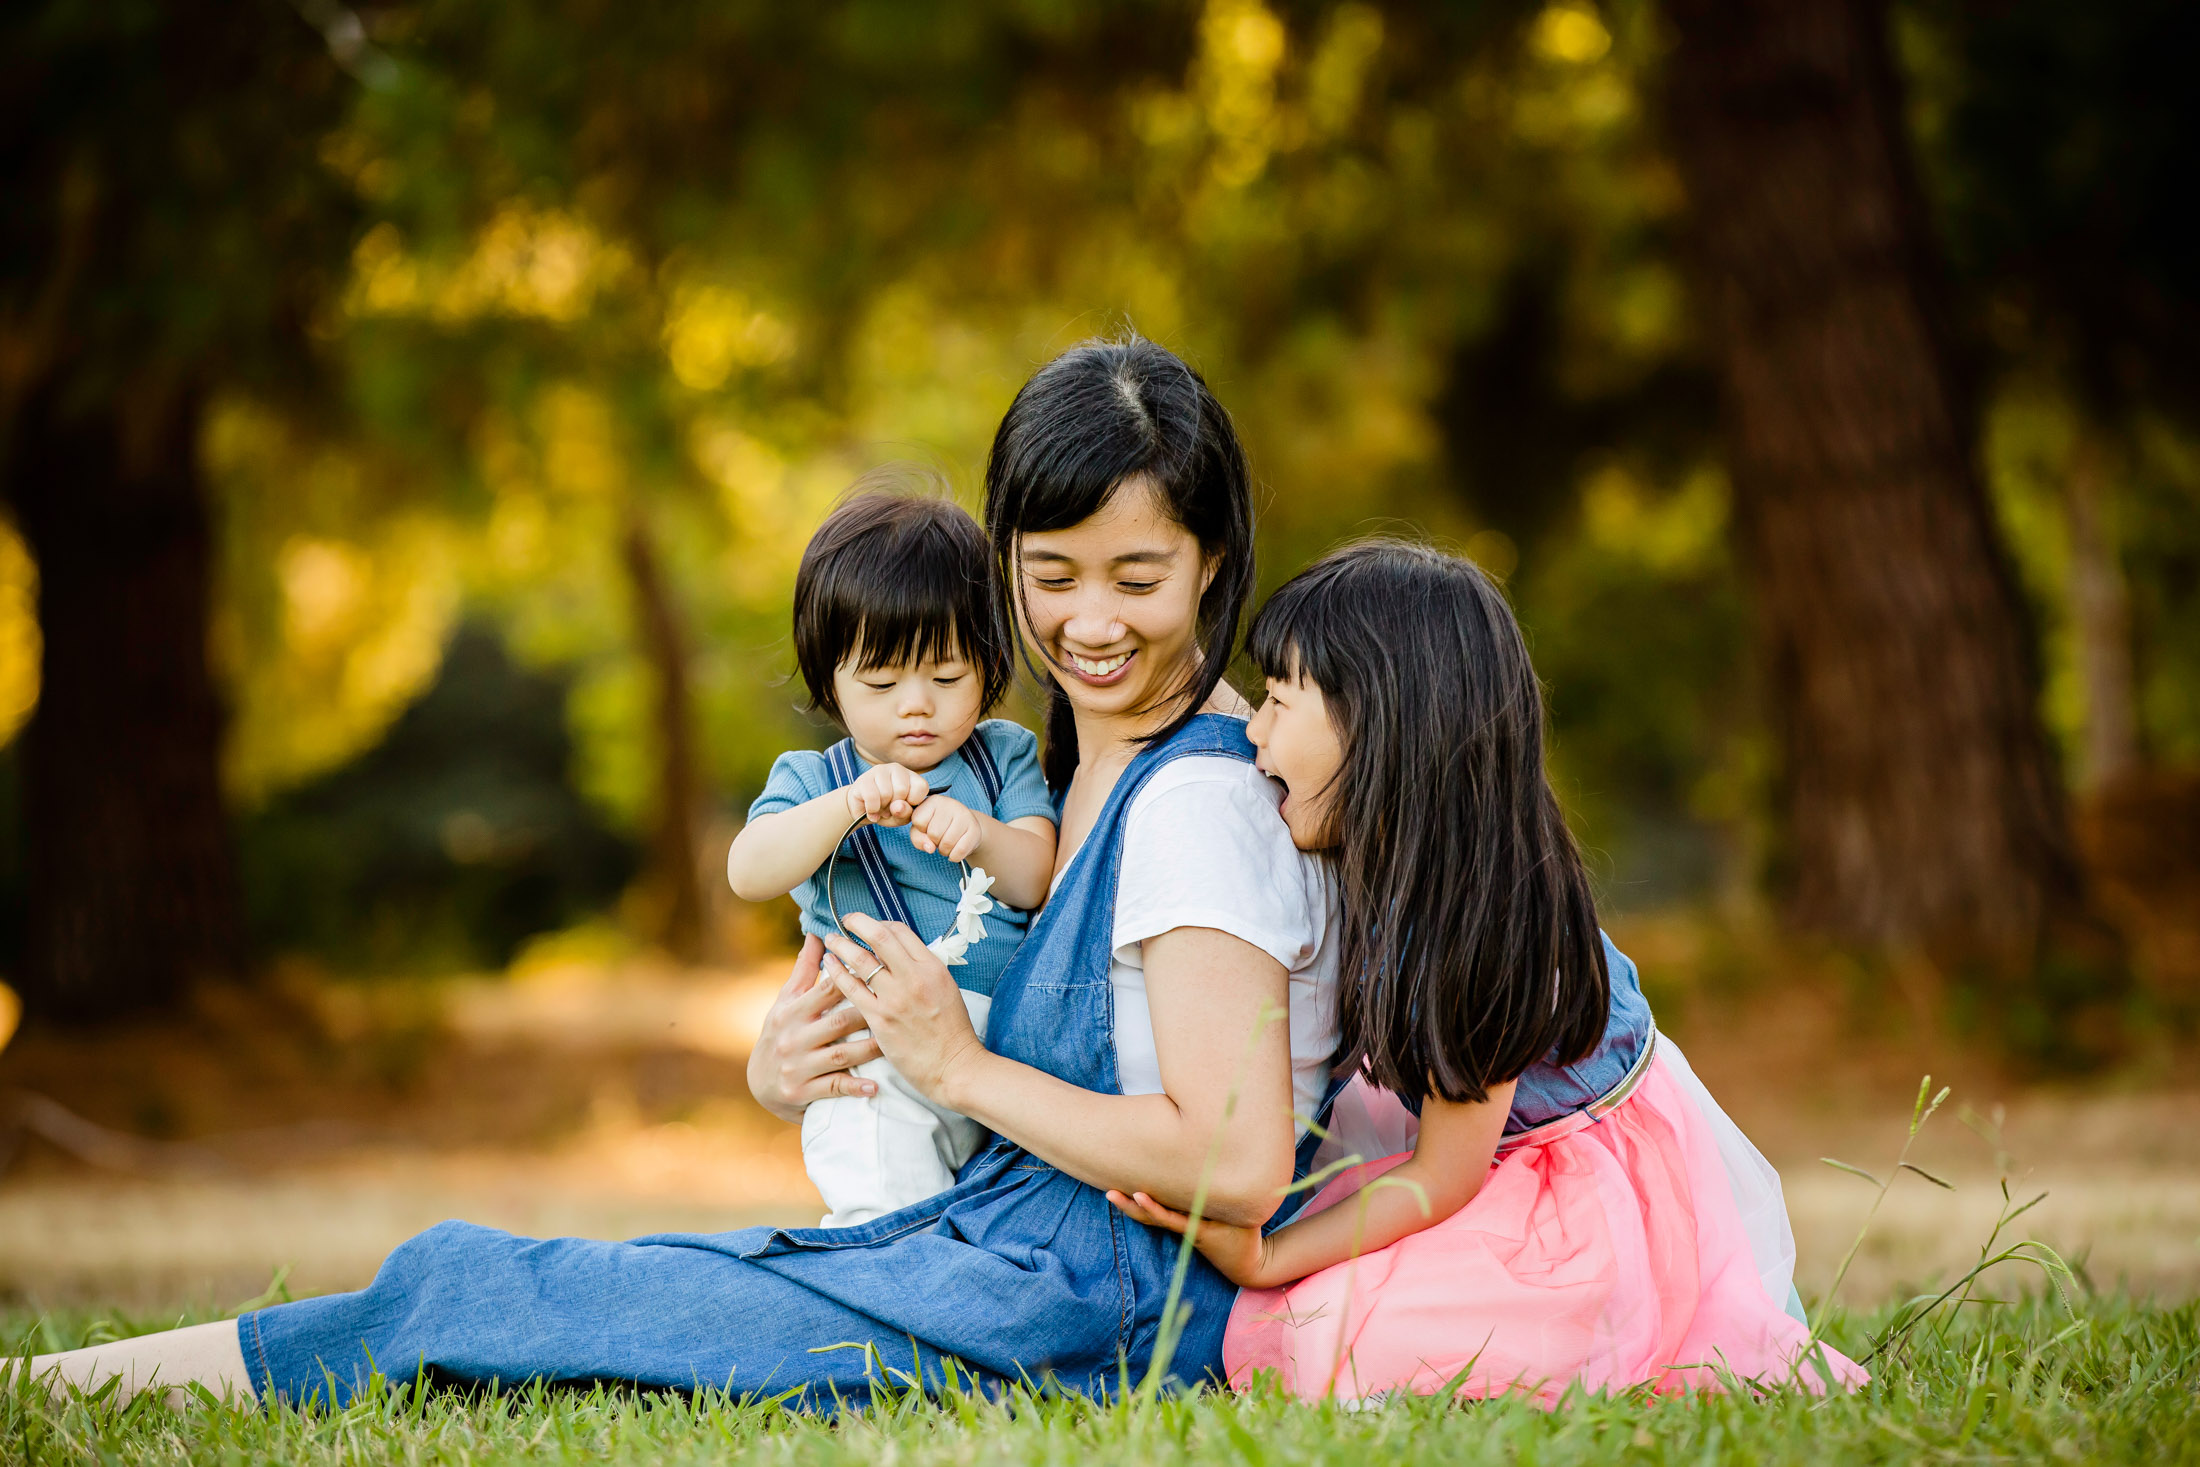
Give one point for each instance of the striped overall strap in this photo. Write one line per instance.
(980, 759)
(841, 761)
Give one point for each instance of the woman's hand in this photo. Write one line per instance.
(910, 1001)
(803, 1052)
(1239, 1254)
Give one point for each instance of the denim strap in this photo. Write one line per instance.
(1596, 1110)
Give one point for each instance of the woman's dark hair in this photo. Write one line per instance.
(893, 578)
(1100, 414)
(1470, 947)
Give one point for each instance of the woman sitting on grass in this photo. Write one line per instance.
(1571, 1212)
(1119, 511)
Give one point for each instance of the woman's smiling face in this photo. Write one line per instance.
(1112, 602)
(1299, 748)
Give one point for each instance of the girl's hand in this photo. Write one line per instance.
(803, 1052)
(886, 794)
(907, 997)
(947, 826)
(1239, 1254)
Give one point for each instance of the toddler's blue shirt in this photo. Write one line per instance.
(929, 884)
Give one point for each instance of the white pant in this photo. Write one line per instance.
(873, 1154)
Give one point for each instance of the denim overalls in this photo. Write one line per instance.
(1549, 1092)
(1019, 1271)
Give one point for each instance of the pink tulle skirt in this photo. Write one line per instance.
(1639, 1249)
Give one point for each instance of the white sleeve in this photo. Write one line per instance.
(1204, 846)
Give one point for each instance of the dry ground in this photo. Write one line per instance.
(311, 1126)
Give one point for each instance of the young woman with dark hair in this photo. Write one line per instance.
(1093, 420)
(1128, 1041)
(1574, 1209)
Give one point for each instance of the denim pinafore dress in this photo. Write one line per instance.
(1019, 1271)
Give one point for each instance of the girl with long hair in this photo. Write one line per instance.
(1574, 1209)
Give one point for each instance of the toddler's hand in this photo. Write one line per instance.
(887, 794)
(947, 826)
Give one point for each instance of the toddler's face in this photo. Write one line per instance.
(912, 714)
(1299, 747)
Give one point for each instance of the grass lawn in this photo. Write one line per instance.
(2117, 1381)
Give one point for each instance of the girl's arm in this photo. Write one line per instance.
(1225, 1058)
(1450, 1161)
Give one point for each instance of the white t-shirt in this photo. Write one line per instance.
(1204, 846)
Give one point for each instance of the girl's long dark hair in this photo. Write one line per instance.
(1470, 947)
(1099, 414)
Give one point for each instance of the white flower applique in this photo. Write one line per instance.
(969, 928)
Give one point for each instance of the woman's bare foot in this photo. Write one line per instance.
(200, 1354)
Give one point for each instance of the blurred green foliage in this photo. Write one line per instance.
(666, 281)
(449, 844)
(702, 264)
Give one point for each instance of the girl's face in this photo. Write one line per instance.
(1112, 603)
(1299, 747)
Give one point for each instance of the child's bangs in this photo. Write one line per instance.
(915, 603)
(906, 635)
(1281, 662)
(1287, 639)
(889, 581)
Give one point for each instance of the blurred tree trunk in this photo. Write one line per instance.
(132, 885)
(1922, 804)
(2100, 615)
(674, 856)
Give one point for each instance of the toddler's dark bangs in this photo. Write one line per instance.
(890, 581)
(896, 635)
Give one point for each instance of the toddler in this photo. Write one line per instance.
(900, 641)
